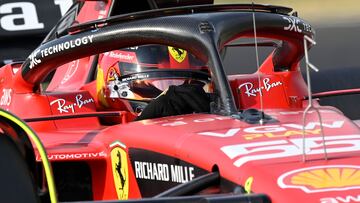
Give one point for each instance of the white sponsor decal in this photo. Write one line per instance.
(243, 153)
(231, 132)
(87, 155)
(67, 45)
(33, 60)
(163, 172)
(281, 128)
(274, 128)
(58, 48)
(73, 66)
(339, 199)
(135, 77)
(121, 56)
(266, 85)
(294, 25)
(6, 97)
(28, 17)
(63, 107)
(286, 113)
(178, 121)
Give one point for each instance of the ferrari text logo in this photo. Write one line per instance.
(178, 54)
(322, 178)
(120, 172)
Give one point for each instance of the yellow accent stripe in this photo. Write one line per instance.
(248, 184)
(100, 83)
(42, 152)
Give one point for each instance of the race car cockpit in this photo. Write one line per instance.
(134, 66)
(134, 76)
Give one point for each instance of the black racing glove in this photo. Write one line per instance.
(182, 99)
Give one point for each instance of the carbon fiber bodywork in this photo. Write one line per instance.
(174, 30)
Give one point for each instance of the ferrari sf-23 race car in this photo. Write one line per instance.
(98, 97)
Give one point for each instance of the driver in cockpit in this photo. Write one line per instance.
(155, 81)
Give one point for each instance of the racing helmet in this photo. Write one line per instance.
(142, 73)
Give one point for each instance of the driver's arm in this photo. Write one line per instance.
(177, 100)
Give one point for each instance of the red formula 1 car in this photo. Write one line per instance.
(263, 139)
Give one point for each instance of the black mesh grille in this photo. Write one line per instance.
(73, 181)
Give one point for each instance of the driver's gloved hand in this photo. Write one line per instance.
(182, 99)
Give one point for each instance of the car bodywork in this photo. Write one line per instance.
(256, 139)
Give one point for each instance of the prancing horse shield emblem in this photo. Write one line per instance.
(178, 54)
(120, 172)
